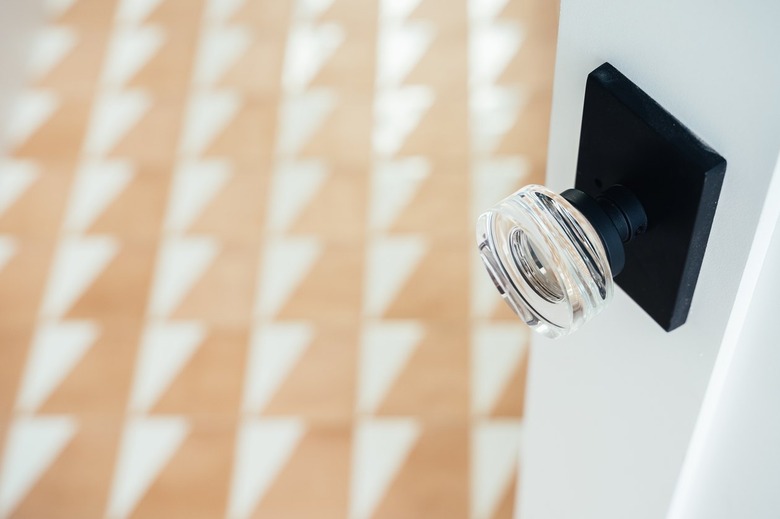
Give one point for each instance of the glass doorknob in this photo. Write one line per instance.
(553, 256)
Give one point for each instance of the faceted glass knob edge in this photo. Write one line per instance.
(546, 259)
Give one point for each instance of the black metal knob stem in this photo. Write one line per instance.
(617, 216)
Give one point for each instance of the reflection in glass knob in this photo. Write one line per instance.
(552, 257)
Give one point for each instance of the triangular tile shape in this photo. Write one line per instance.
(29, 113)
(15, 178)
(394, 183)
(439, 208)
(336, 212)
(320, 386)
(130, 49)
(55, 351)
(286, 262)
(114, 114)
(303, 489)
(530, 140)
(396, 10)
(398, 112)
(56, 8)
(497, 350)
(495, 447)
(181, 262)
(147, 445)
(221, 11)
(484, 10)
(301, 115)
(494, 179)
(484, 298)
(380, 447)
(96, 186)
(274, 350)
(210, 383)
(32, 445)
(400, 48)
(78, 262)
(308, 48)
(385, 349)
(165, 349)
(195, 184)
(437, 288)
(307, 10)
(135, 11)
(493, 111)
(208, 114)
(8, 249)
(511, 401)
(49, 48)
(263, 448)
(219, 49)
(491, 48)
(293, 185)
(225, 295)
(434, 381)
(151, 140)
(389, 263)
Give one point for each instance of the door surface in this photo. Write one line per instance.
(612, 411)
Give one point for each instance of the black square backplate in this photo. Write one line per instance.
(627, 138)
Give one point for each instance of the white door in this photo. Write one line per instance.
(618, 413)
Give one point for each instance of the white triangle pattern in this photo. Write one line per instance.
(400, 48)
(114, 114)
(263, 448)
(391, 260)
(165, 350)
(286, 263)
(135, 11)
(56, 349)
(491, 47)
(181, 263)
(398, 112)
(97, 184)
(220, 11)
(484, 10)
(495, 448)
(208, 115)
(194, 186)
(274, 351)
(385, 350)
(130, 49)
(294, 184)
(8, 249)
(15, 178)
(147, 445)
(308, 48)
(32, 445)
(220, 47)
(497, 350)
(30, 111)
(494, 111)
(78, 262)
(49, 48)
(380, 449)
(301, 116)
(396, 10)
(394, 183)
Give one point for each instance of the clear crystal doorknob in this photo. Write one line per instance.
(553, 256)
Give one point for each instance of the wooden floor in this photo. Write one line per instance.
(237, 265)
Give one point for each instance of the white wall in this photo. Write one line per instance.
(611, 410)
(733, 465)
(19, 20)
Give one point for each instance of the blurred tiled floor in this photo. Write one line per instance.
(237, 273)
